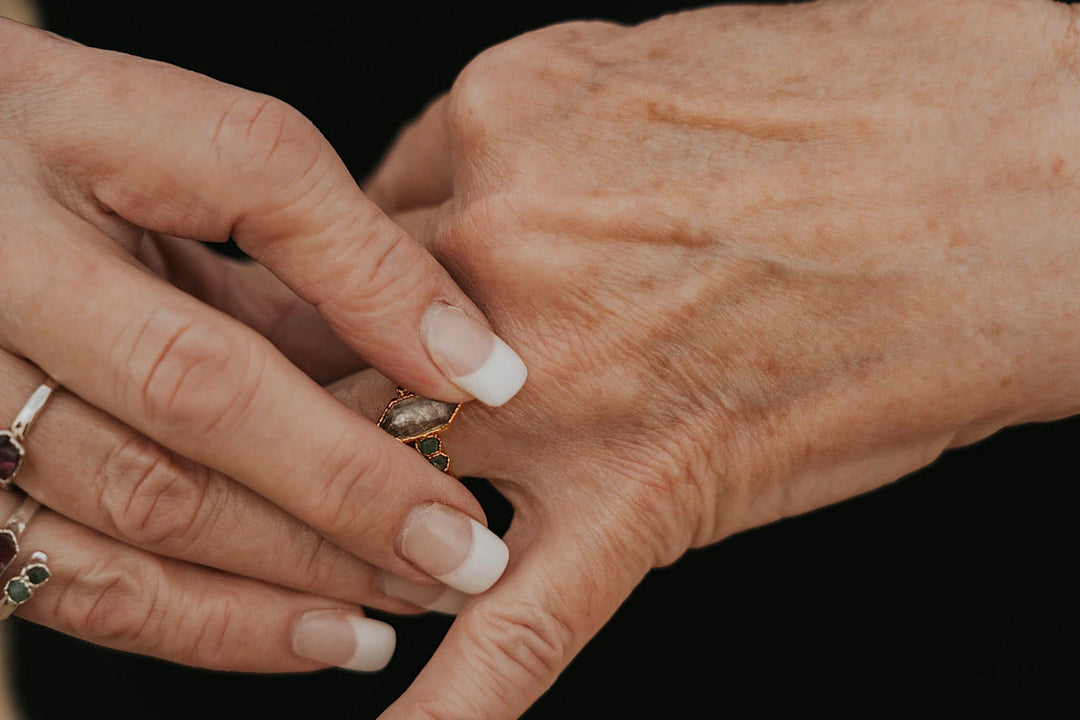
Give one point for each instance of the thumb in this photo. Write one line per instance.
(509, 645)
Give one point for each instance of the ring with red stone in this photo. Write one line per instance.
(12, 450)
(417, 421)
(13, 530)
(20, 588)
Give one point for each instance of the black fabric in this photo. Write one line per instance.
(948, 594)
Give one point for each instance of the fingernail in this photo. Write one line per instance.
(453, 548)
(353, 642)
(439, 598)
(474, 358)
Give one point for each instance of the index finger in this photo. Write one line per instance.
(217, 392)
(201, 159)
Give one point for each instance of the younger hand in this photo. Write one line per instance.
(184, 438)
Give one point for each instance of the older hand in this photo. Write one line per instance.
(758, 260)
(183, 435)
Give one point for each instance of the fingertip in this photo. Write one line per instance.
(454, 548)
(499, 379)
(346, 640)
(472, 357)
(483, 566)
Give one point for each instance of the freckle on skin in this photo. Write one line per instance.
(1058, 165)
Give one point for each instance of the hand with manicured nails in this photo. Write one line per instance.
(209, 502)
(758, 260)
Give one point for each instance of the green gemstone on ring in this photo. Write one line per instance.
(429, 446)
(440, 461)
(17, 590)
(37, 574)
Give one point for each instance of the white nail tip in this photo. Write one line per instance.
(375, 644)
(483, 565)
(498, 379)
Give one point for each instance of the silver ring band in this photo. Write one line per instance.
(12, 451)
(33, 406)
(20, 588)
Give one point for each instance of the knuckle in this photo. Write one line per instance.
(190, 376)
(515, 79)
(519, 649)
(478, 100)
(253, 132)
(386, 253)
(150, 497)
(318, 561)
(493, 233)
(123, 601)
(489, 224)
(115, 601)
(523, 640)
(350, 483)
(662, 517)
(209, 630)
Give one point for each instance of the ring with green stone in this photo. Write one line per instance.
(20, 588)
(418, 421)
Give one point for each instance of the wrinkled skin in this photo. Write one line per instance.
(758, 260)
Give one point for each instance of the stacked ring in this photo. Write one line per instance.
(13, 530)
(20, 589)
(12, 450)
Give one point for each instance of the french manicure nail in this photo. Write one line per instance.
(474, 358)
(438, 598)
(453, 548)
(353, 642)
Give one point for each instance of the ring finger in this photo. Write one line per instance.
(91, 468)
(115, 595)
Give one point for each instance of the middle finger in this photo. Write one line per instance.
(211, 389)
(88, 467)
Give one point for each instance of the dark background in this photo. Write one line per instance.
(949, 594)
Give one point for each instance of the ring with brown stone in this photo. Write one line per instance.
(417, 421)
(13, 529)
(12, 450)
(20, 588)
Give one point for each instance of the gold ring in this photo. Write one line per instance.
(417, 420)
